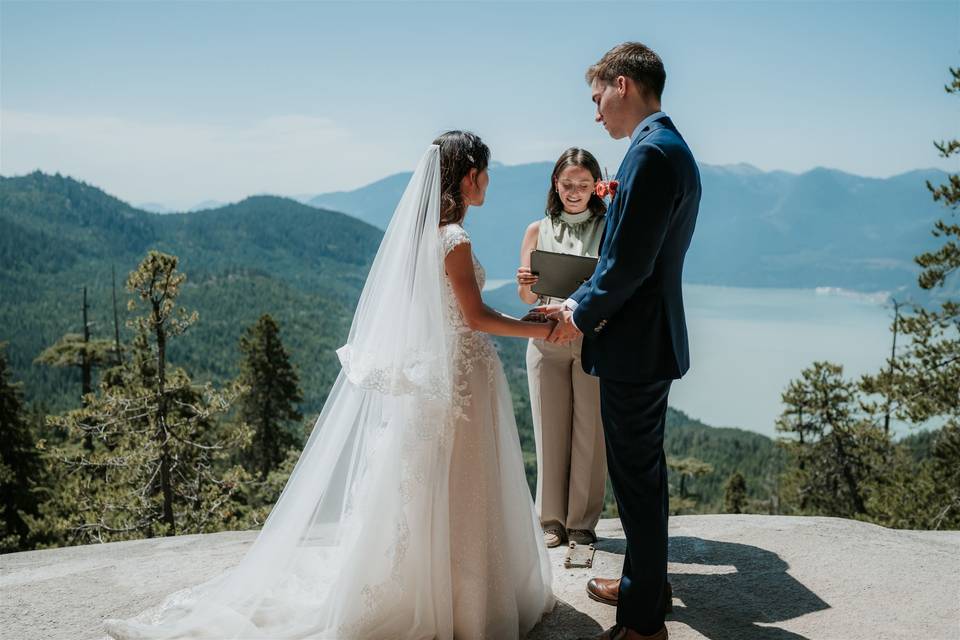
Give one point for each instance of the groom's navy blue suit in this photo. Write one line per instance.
(635, 341)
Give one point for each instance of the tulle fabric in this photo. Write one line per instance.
(407, 515)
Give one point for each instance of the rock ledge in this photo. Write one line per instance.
(737, 577)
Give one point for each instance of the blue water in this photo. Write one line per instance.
(747, 344)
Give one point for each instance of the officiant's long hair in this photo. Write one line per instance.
(575, 157)
(460, 151)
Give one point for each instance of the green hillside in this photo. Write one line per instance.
(266, 254)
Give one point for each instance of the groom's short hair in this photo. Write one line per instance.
(634, 60)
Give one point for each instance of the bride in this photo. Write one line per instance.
(407, 515)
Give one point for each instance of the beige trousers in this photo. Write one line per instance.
(571, 459)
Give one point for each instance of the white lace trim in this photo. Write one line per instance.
(452, 235)
(422, 374)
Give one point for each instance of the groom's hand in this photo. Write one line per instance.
(565, 331)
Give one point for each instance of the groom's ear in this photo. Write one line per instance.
(622, 83)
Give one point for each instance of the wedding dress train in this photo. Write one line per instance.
(408, 515)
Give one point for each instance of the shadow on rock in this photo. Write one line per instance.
(565, 622)
(741, 588)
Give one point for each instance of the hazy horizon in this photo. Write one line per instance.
(302, 197)
(192, 101)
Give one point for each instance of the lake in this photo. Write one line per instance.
(747, 344)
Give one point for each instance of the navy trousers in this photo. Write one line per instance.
(634, 416)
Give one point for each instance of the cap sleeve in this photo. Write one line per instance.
(452, 235)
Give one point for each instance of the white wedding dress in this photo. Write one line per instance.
(407, 516)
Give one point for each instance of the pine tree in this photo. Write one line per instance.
(118, 350)
(160, 470)
(928, 377)
(839, 452)
(80, 351)
(686, 469)
(921, 494)
(944, 470)
(735, 493)
(269, 405)
(940, 264)
(923, 382)
(21, 465)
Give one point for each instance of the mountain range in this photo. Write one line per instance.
(265, 254)
(821, 228)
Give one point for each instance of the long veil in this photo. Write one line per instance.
(356, 538)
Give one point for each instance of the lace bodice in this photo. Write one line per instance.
(452, 235)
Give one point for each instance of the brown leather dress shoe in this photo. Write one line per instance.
(607, 591)
(604, 590)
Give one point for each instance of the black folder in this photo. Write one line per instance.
(560, 273)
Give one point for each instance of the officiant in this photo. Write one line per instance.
(564, 400)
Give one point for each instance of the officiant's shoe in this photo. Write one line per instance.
(607, 591)
(617, 632)
(553, 536)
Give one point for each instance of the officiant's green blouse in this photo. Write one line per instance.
(565, 401)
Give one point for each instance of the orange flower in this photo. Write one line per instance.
(606, 188)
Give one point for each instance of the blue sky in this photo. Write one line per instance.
(180, 102)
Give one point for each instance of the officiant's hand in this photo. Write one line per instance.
(526, 278)
(566, 331)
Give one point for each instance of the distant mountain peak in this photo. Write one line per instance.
(154, 207)
(930, 173)
(821, 170)
(740, 168)
(208, 204)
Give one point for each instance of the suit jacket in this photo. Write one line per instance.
(631, 309)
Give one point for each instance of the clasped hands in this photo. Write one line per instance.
(565, 331)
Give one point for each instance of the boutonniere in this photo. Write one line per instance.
(606, 187)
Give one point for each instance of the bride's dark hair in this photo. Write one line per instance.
(460, 151)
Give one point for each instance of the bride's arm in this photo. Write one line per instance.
(478, 316)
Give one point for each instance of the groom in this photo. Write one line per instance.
(630, 313)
